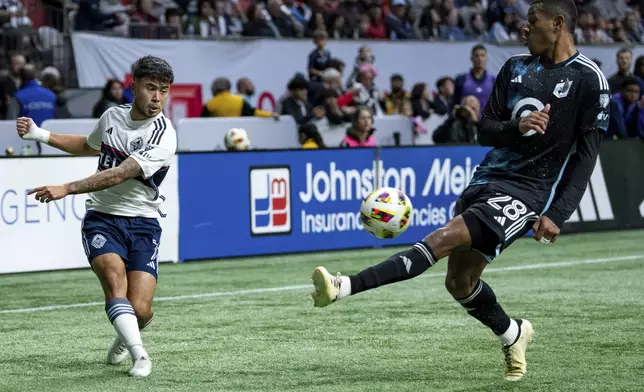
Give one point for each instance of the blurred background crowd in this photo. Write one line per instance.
(33, 77)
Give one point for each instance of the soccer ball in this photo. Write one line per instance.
(237, 139)
(386, 213)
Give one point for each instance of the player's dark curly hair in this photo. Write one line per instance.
(565, 8)
(154, 68)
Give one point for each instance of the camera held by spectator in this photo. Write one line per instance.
(462, 125)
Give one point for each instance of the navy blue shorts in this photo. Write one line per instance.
(136, 240)
(494, 219)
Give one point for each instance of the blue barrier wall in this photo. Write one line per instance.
(254, 203)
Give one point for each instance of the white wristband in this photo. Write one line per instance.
(38, 134)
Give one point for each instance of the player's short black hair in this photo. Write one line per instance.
(397, 77)
(154, 68)
(565, 8)
(629, 81)
(479, 47)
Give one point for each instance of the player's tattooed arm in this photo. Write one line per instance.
(129, 169)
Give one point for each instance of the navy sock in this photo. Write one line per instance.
(401, 266)
(481, 304)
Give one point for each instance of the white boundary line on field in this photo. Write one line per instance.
(526, 267)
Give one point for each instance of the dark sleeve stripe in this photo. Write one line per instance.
(159, 129)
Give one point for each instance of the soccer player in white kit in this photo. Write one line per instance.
(120, 232)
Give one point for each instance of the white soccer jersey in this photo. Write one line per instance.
(151, 142)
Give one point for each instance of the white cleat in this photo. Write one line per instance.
(327, 287)
(515, 363)
(117, 352)
(142, 367)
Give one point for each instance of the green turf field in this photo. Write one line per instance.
(587, 314)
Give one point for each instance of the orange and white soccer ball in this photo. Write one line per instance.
(237, 139)
(386, 212)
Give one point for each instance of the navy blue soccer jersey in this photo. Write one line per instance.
(548, 172)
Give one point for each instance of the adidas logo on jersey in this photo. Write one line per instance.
(152, 265)
(517, 79)
(500, 219)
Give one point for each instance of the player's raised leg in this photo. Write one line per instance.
(401, 266)
(463, 282)
(110, 269)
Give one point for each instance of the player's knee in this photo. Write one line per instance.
(446, 239)
(143, 310)
(459, 286)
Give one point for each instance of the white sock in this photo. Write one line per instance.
(345, 287)
(510, 336)
(121, 314)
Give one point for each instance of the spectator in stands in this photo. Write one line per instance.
(259, 23)
(627, 112)
(442, 98)
(225, 104)
(13, 14)
(588, 31)
(478, 82)
(173, 19)
(283, 19)
(368, 96)
(351, 11)
(610, 9)
(204, 25)
(111, 95)
(478, 30)
(338, 29)
(143, 12)
(398, 27)
(624, 63)
(317, 21)
(320, 57)
(638, 70)
(507, 29)
(360, 133)
(246, 89)
(90, 17)
(420, 104)
(296, 104)
(310, 137)
(328, 97)
(301, 12)
(365, 57)
(450, 30)
(393, 101)
(462, 125)
(9, 84)
(50, 78)
(633, 27)
(35, 101)
(428, 23)
(338, 65)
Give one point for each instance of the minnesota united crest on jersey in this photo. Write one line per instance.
(151, 142)
(530, 166)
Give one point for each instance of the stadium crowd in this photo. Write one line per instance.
(330, 89)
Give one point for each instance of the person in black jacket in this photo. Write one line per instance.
(462, 126)
(296, 104)
(90, 17)
(420, 103)
(112, 95)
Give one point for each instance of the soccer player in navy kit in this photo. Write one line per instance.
(120, 232)
(545, 121)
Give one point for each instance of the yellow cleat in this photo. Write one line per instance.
(515, 365)
(327, 287)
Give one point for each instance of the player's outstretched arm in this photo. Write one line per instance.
(129, 169)
(72, 144)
